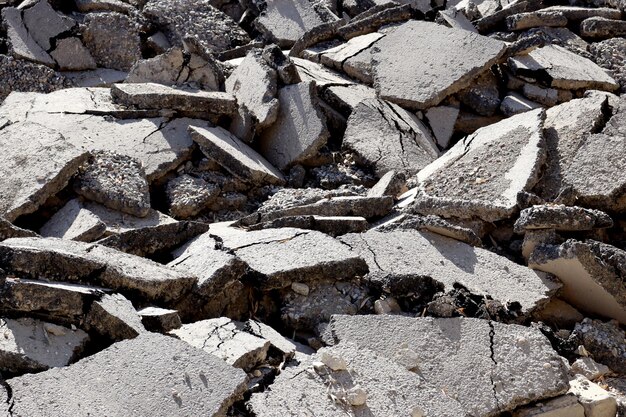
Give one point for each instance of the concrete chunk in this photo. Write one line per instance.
(117, 222)
(439, 75)
(331, 225)
(44, 23)
(482, 174)
(77, 261)
(159, 320)
(112, 39)
(114, 317)
(165, 376)
(596, 401)
(9, 230)
(31, 345)
(477, 362)
(387, 137)
(602, 28)
(188, 196)
(225, 339)
(21, 43)
(604, 342)
(561, 217)
(450, 262)
(71, 55)
(28, 176)
(74, 222)
(235, 156)
(592, 274)
(563, 406)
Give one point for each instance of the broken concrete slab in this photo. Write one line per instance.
(284, 22)
(589, 368)
(592, 276)
(71, 55)
(9, 230)
(225, 339)
(116, 181)
(424, 86)
(86, 6)
(187, 379)
(522, 21)
(44, 23)
(565, 69)
(300, 129)
(275, 255)
(435, 224)
(546, 96)
(558, 313)
(277, 341)
(112, 39)
(32, 345)
(188, 196)
(344, 57)
(117, 222)
(77, 261)
(158, 96)
(352, 383)
(596, 401)
(149, 241)
(160, 320)
(114, 317)
(392, 184)
(441, 120)
(74, 222)
(28, 174)
(576, 14)
(449, 263)
(183, 20)
(561, 217)
(331, 225)
(99, 77)
(604, 341)
(406, 144)
(482, 174)
(21, 43)
(235, 156)
(602, 28)
(514, 104)
(380, 16)
(475, 361)
(345, 98)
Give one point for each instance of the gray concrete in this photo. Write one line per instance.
(31, 345)
(77, 261)
(449, 261)
(602, 28)
(188, 196)
(21, 43)
(114, 317)
(9, 230)
(44, 23)
(74, 222)
(561, 217)
(440, 75)
(159, 320)
(387, 137)
(71, 55)
(235, 156)
(331, 225)
(150, 375)
(117, 222)
(300, 129)
(112, 39)
(482, 174)
(28, 176)
(487, 366)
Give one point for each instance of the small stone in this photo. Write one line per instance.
(333, 361)
(300, 288)
(356, 396)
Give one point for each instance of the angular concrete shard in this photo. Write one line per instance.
(9, 230)
(403, 253)
(235, 156)
(183, 19)
(345, 98)
(563, 69)
(482, 174)
(31, 345)
(112, 39)
(331, 225)
(154, 240)
(159, 320)
(21, 43)
(604, 341)
(188, 196)
(277, 341)
(300, 129)
(114, 317)
(311, 71)
(165, 376)
(344, 57)
(592, 274)
(387, 137)
(117, 222)
(77, 261)
(369, 384)
(28, 175)
(44, 23)
(561, 217)
(279, 257)
(482, 364)
(565, 405)
(158, 96)
(284, 21)
(225, 339)
(438, 74)
(74, 222)
(71, 55)
(117, 181)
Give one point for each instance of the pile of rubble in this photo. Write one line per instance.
(295, 208)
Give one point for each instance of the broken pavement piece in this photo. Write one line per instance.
(596, 401)
(159, 320)
(300, 129)
(114, 317)
(71, 55)
(482, 174)
(112, 39)
(565, 406)
(188, 196)
(277, 341)
(227, 340)
(95, 264)
(392, 184)
(331, 225)
(592, 274)
(589, 368)
(605, 342)
(235, 156)
(21, 43)
(28, 175)
(514, 104)
(9, 230)
(30, 345)
(441, 120)
(186, 379)
(479, 369)
(562, 218)
(387, 137)
(44, 23)
(118, 222)
(449, 262)
(116, 181)
(439, 75)
(602, 28)
(74, 222)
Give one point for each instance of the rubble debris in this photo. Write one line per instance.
(114, 317)
(71, 55)
(117, 222)
(159, 320)
(74, 222)
(112, 39)
(479, 369)
(188, 196)
(31, 345)
(189, 380)
(331, 225)
(44, 23)
(604, 342)
(21, 43)
(561, 217)
(559, 313)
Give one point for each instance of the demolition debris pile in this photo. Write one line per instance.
(274, 208)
